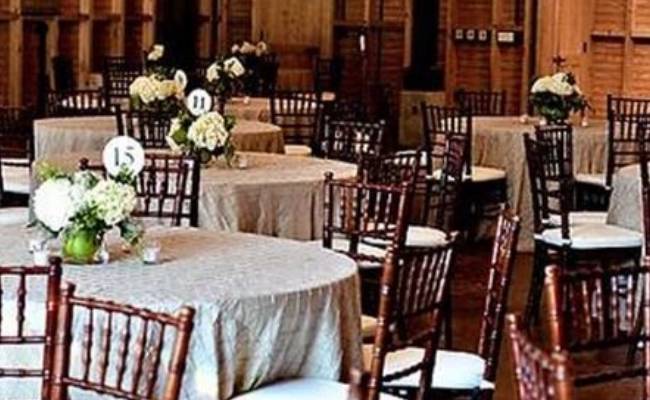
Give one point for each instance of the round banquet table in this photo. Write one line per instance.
(276, 195)
(61, 135)
(258, 108)
(267, 308)
(626, 206)
(498, 142)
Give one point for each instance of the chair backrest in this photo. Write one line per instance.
(347, 109)
(167, 189)
(414, 287)
(16, 284)
(118, 74)
(623, 115)
(482, 102)
(601, 309)
(359, 210)
(551, 183)
(644, 147)
(150, 128)
(496, 300)
(351, 141)
(298, 114)
(70, 103)
(63, 69)
(123, 349)
(16, 132)
(441, 123)
(539, 375)
(328, 74)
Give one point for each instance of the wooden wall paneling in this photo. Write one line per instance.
(4, 62)
(29, 82)
(606, 72)
(451, 64)
(239, 15)
(15, 69)
(86, 46)
(148, 24)
(206, 20)
(527, 69)
(117, 23)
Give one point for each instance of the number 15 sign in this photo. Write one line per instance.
(123, 152)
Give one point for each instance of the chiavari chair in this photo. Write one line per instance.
(482, 102)
(299, 115)
(150, 128)
(483, 188)
(123, 349)
(644, 149)
(556, 237)
(167, 189)
(458, 373)
(351, 141)
(539, 375)
(623, 116)
(601, 310)
(71, 103)
(21, 331)
(118, 74)
(16, 149)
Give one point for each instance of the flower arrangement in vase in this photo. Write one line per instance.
(205, 135)
(161, 88)
(223, 79)
(555, 97)
(86, 207)
(253, 57)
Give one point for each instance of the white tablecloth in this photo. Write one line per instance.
(276, 195)
(252, 108)
(267, 308)
(62, 135)
(626, 207)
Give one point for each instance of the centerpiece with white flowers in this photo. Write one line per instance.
(255, 59)
(224, 79)
(555, 97)
(161, 88)
(81, 208)
(201, 132)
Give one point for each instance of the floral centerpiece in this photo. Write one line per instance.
(206, 136)
(224, 79)
(254, 58)
(81, 208)
(555, 97)
(161, 88)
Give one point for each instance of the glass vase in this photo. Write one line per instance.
(81, 247)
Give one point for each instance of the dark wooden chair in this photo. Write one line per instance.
(63, 69)
(150, 128)
(16, 149)
(299, 115)
(601, 310)
(263, 80)
(482, 102)
(623, 116)
(328, 74)
(140, 337)
(118, 74)
(539, 375)
(558, 237)
(350, 141)
(484, 189)
(72, 103)
(644, 153)
(167, 189)
(23, 279)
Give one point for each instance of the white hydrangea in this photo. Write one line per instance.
(166, 89)
(556, 84)
(261, 49)
(156, 53)
(56, 201)
(114, 201)
(208, 131)
(248, 48)
(234, 67)
(212, 74)
(144, 88)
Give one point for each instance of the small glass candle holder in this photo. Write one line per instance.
(151, 252)
(40, 253)
(247, 100)
(242, 162)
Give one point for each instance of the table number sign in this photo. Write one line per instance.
(199, 102)
(122, 152)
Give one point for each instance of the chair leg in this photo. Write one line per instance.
(448, 330)
(531, 314)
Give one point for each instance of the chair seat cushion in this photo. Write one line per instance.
(343, 244)
(417, 236)
(16, 179)
(14, 216)
(591, 179)
(479, 173)
(368, 326)
(594, 236)
(453, 369)
(297, 150)
(581, 217)
(303, 389)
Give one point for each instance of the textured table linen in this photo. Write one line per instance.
(276, 195)
(626, 206)
(498, 142)
(252, 108)
(267, 308)
(62, 135)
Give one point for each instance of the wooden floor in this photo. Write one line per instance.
(469, 289)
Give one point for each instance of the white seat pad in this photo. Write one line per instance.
(368, 326)
(453, 369)
(418, 236)
(16, 179)
(303, 389)
(592, 179)
(581, 217)
(14, 216)
(594, 236)
(486, 174)
(297, 150)
(343, 244)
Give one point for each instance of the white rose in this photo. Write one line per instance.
(208, 131)
(235, 49)
(156, 53)
(144, 88)
(234, 67)
(248, 48)
(212, 74)
(541, 85)
(55, 203)
(262, 48)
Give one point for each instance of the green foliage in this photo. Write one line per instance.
(45, 172)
